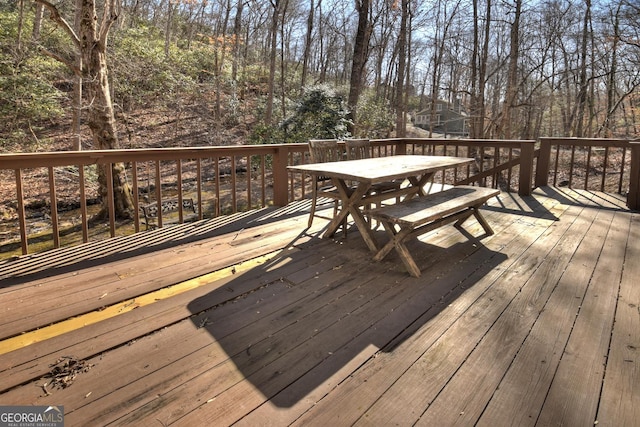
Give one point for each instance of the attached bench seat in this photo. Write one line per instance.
(423, 214)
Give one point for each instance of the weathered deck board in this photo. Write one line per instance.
(583, 360)
(524, 388)
(483, 371)
(534, 324)
(93, 288)
(394, 377)
(302, 323)
(620, 394)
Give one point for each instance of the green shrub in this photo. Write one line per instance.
(375, 117)
(319, 114)
(27, 93)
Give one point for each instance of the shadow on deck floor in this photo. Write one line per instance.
(280, 327)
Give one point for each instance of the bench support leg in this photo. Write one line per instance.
(475, 211)
(483, 222)
(397, 239)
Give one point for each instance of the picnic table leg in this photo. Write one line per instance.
(419, 182)
(351, 200)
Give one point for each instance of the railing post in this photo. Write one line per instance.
(526, 167)
(280, 176)
(633, 197)
(401, 146)
(542, 167)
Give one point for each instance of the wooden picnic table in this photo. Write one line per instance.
(354, 178)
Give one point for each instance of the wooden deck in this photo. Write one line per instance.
(256, 321)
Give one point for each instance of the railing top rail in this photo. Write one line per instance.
(478, 142)
(11, 161)
(597, 142)
(88, 157)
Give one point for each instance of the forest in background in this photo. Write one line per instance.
(218, 72)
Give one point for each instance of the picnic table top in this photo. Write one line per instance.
(383, 168)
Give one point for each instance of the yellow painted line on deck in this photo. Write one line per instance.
(114, 310)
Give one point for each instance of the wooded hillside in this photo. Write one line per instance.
(216, 72)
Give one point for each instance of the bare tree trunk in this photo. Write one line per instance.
(402, 55)
(37, 21)
(101, 119)
(20, 23)
(508, 112)
(475, 84)
(219, 59)
(360, 55)
(578, 114)
(77, 89)
(478, 71)
(482, 76)
(408, 74)
(437, 63)
(237, 26)
(268, 115)
(307, 44)
(283, 62)
(167, 28)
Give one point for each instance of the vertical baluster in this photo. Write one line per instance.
(136, 201)
(110, 200)
(484, 180)
(217, 202)
(292, 177)
(496, 155)
(444, 153)
(455, 171)
(159, 192)
(199, 186)
(469, 166)
(586, 173)
(180, 195)
(605, 163)
(622, 165)
(571, 164)
(510, 169)
(234, 199)
(249, 183)
(22, 219)
(557, 161)
(263, 177)
(54, 208)
(83, 204)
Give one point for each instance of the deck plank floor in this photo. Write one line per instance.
(254, 320)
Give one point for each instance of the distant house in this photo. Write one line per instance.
(449, 118)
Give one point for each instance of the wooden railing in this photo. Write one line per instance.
(505, 164)
(633, 196)
(224, 180)
(586, 163)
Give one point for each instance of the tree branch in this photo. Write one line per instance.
(66, 62)
(109, 17)
(56, 17)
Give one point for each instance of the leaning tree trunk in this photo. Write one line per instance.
(102, 123)
(100, 116)
(90, 40)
